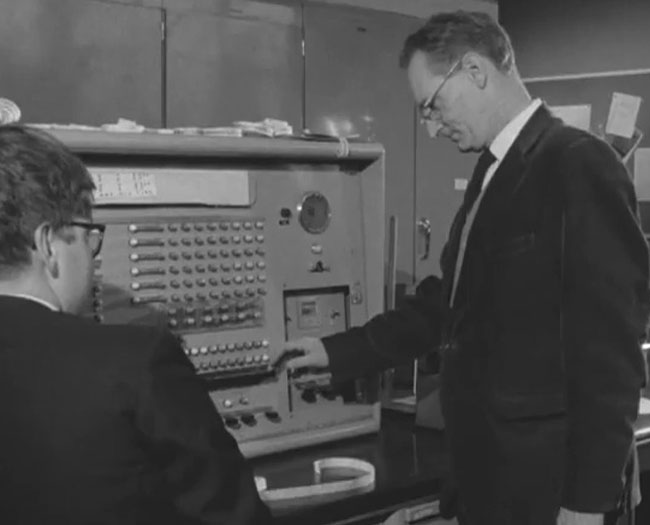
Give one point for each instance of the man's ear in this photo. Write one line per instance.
(477, 67)
(44, 248)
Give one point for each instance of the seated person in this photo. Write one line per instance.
(100, 424)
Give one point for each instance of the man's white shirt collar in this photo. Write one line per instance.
(505, 139)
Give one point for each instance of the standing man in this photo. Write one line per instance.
(100, 424)
(543, 300)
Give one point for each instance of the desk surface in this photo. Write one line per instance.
(409, 463)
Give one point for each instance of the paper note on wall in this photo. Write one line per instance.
(642, 173)
(623, 113)
(578, 116)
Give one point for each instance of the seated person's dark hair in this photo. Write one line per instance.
(41, 180)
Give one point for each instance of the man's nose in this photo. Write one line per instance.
(434, 127)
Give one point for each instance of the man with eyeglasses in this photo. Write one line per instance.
(100, 424)
(543, 301)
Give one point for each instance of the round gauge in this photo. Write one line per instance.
(314, 213)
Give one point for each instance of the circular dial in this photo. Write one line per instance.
(314, 213)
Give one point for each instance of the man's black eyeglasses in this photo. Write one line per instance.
(427, 109)
(95, 234)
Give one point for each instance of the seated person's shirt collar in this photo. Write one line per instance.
(32, 298)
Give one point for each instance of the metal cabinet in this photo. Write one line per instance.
(353, 86)
(84, 62)
(230, 60)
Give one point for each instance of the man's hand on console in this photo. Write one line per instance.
(303, 353)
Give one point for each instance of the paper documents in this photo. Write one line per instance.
(623, 113)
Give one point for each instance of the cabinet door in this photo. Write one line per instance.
(230, 61)
(354, 86)
(441, 171)
(85, 62)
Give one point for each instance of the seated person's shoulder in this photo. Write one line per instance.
(130, 341)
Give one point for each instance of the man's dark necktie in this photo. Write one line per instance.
(472, 192)
(476, 183)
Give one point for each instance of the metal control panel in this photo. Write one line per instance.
(237, 245)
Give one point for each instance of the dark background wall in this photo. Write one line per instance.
(581, 51)
(554, 37)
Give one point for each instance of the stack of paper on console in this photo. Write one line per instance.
(266, 128)
(124, 125)
(223, 131)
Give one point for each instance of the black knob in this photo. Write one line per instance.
(273, 416)
(249, 419)
(309, 396)
(232, 422)
(328, 394)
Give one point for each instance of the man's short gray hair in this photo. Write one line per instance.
(446, 37)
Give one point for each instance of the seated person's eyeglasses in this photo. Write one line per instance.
(95, 235)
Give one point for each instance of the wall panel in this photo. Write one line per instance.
(355, 87)
(556, 37)
(237, 62)
(85, 62)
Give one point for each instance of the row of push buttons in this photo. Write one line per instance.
(199, 255)
(136, 242)
(176, 298)
(208, 320)
(209, 309)
(201, 282)
(234, 363)
(225, 294)
(214, 315)
(187, 256)
(199, 268)
(188, 298)
(199, 227)
(223, 348)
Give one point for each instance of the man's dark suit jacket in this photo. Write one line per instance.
(110, 425)
(541, 362)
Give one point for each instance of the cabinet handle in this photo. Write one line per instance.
(424, 229)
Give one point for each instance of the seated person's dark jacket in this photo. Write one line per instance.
(110, 425)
